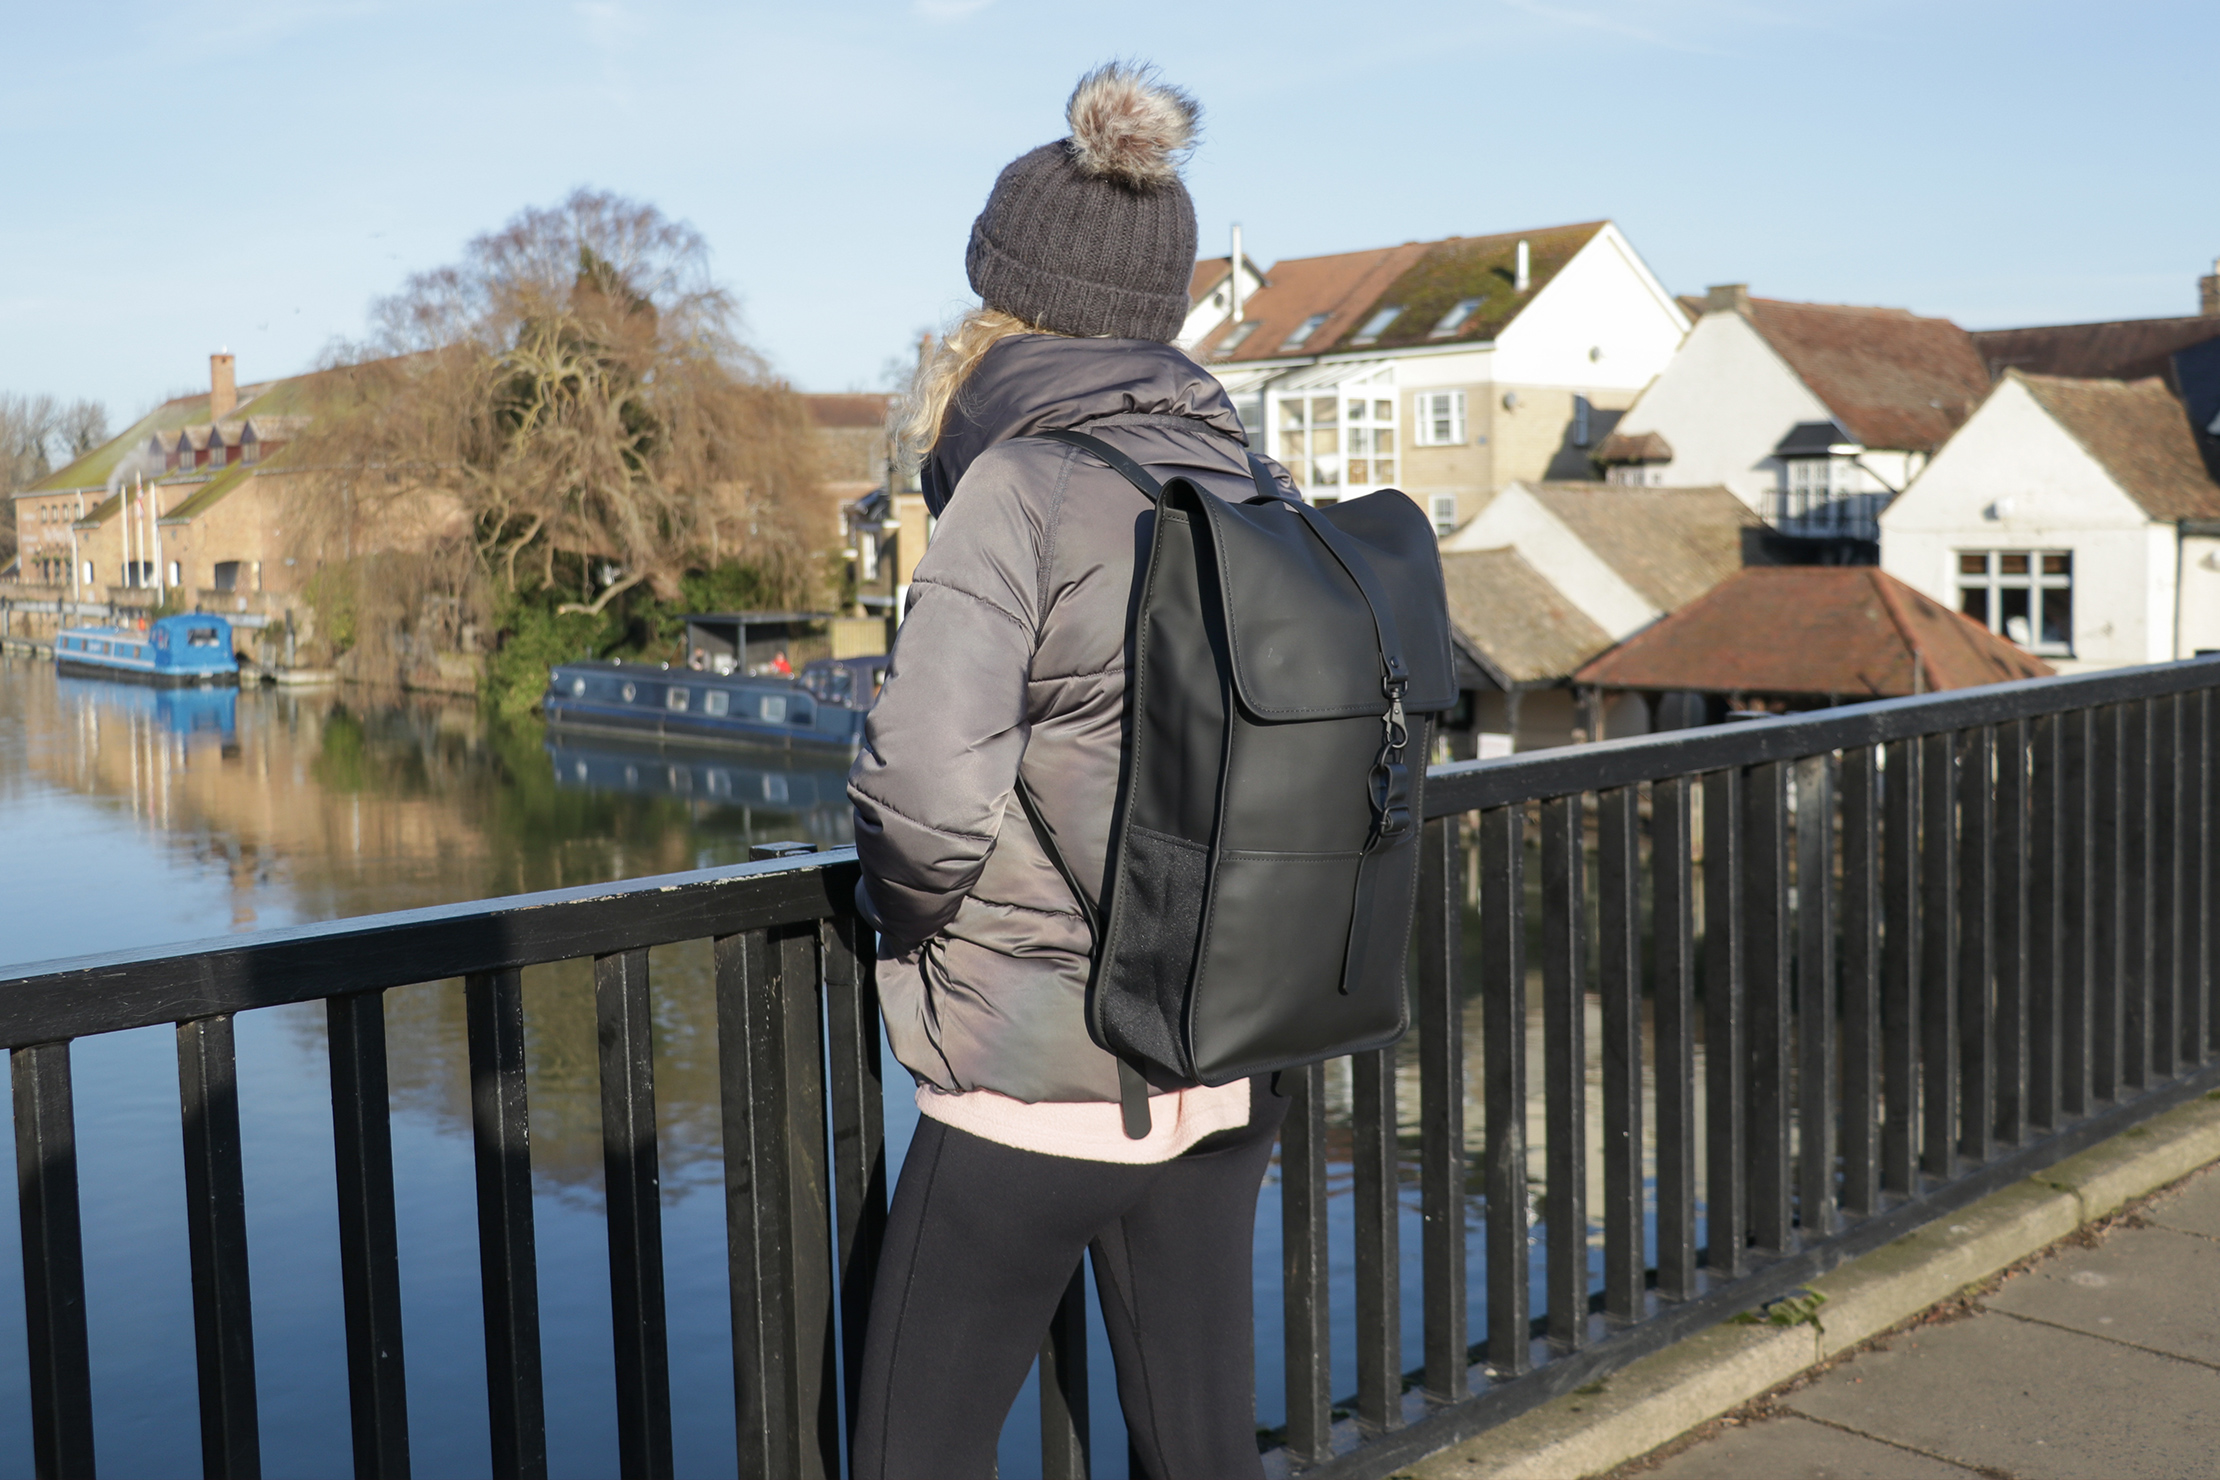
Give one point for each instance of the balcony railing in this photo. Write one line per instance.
(1824, 516)
(1868, 964)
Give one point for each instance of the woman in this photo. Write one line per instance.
(1012, 663)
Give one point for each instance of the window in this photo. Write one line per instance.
(216, 452)
(1303, 331)
(1583, 419)
(774, 709)
(227, 575)
(1232, 342)
(1445, 513)
(1454, 320)
(1441, 418)
(867, 550)
(630, 692)
(578, 688)
(1347, 440)
(177, 574)
(2024, 596)
(88, 572)
(1375, 326)
(248, 448)
(716, 702)
(675, 699)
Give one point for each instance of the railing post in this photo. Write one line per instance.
(2162, 909)
(631, 1173)
(1673, 995)
(1815, 996)
(1376, 1213)
(1766, 979)
(1304, 1267)
(2136, 886)
(1861, 982)
(849, 949)
(1976, 756)
(53, 1262)
(1902, 957)
(1619, 985)
(1726, 1197)
(2009, 923)
(216, 1227)
(1939, 932)
(1441, 1109)
(2109, 840)
(1564, 1078)
(1503, 1063)
(507, 1262)
(369, 1241)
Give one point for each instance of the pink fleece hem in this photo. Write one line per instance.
(1091, 1130)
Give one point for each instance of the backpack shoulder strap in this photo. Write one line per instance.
(1132, 471)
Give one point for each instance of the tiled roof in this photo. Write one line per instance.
(1634, 447)
(1425, 279)
(2124, 349)
(1813, 631)
(1670, 544)
(1893, 379)
(852, 409)
(1521, 626)
(1209, 273)
(2140, 434)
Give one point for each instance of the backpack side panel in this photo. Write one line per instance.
(1159, 870)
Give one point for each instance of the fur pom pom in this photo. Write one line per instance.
(1129, 127)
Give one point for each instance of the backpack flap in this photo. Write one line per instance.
(1302, 638)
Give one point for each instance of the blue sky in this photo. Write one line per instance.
(250, 174)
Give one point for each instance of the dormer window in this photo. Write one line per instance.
(1303, 331)
(248, 448)
(1375, 326)
(1232, 342)
(1454, 320)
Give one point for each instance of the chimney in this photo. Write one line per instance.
(223, 387)
(1727, 298)
(2208, 292)
(1525, 278)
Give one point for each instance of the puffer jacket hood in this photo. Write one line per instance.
(1011, 658)
(1038, 382)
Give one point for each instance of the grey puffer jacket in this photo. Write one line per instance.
(1012, 657)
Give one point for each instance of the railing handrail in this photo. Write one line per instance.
(46, 1001)
(1466, 786)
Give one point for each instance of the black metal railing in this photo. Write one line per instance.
(1805, 514)
(1867, 964)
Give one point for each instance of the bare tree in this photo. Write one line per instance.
(37, 435)
(572, 405)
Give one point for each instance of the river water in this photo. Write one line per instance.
(130, 818)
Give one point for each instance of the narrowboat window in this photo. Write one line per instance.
(774, 787)
(99, 647)
(717, 702)
(630, 691)
(578, 688)
(200, 637)
(675, 698)
(161, 638)
(774, 708)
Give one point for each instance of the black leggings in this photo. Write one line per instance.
(981, 1243)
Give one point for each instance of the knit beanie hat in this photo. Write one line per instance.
(1095, 234)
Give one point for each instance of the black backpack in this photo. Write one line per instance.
(1264, 855)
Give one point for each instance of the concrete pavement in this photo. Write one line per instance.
(2102, 1358)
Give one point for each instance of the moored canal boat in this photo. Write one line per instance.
(192, 648)
(617, 698)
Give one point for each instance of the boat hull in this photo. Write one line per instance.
(159, 678)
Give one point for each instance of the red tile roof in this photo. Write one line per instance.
(1891, 378)
(2124, 349)
(1812, 632)
(848, 409)
(2140, 434)
(1209, 273)
(1425, 279)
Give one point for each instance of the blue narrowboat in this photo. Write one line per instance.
(683, 704)
(169, 651)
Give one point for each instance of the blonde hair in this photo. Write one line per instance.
(941, 374)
